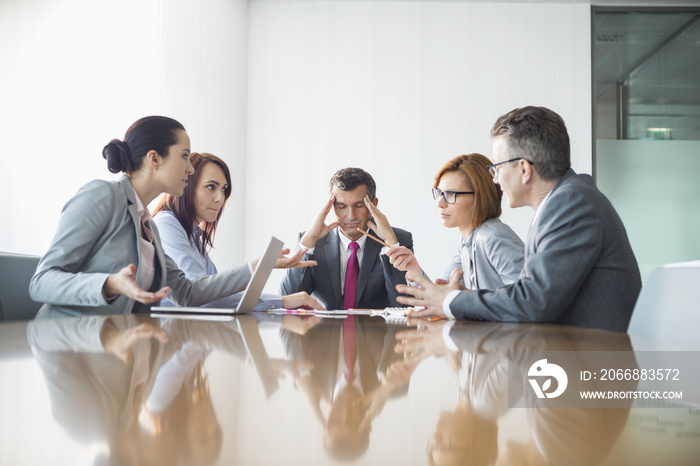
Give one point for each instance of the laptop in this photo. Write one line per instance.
(250, 295)
(256, 350)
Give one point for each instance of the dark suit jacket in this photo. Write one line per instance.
(579, 266)
(376, 285)
(321, 346)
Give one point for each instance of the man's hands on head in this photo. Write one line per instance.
(381, 224)
(318, 228)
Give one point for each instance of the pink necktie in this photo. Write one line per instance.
(351, 274)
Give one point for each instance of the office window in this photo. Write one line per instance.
(646, 90)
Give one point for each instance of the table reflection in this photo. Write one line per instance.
(105, 374)
(483, 356)
(310, 390)
(349, 376)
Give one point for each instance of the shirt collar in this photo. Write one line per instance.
(140, 208)
(541, 206)
(467, 243)
(345, 241)
(197, 231)
(569, 172)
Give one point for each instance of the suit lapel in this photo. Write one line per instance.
(133, 210)
(331, 252)
(159, 258)
(161, 274)
(531, 240)
(369, 256)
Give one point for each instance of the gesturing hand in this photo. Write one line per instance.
(121, 342)
(423, 342)
(294, 261)
(318, 228)
(124, 283)
(404, 260)
(428, 294)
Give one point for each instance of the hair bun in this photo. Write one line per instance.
(117, 155)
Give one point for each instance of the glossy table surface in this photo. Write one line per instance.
(273, 390)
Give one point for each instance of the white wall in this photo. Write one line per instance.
(286, 92)
(76, 73)
(398, 88)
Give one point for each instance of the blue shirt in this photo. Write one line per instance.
(189, 259)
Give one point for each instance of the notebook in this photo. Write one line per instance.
(250, 295)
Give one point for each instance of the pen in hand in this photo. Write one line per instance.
(374, 238)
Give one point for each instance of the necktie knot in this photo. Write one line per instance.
(354, 247)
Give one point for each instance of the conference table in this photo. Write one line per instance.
(266, 389)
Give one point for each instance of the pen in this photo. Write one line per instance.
(290, 311)
(370, 236)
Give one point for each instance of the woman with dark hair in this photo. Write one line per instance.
(187, 225)
(106, 256)
(490, 253)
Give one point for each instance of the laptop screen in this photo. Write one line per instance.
(250, 295)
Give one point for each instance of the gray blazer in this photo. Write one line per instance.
(376, 285)
(97, 235)
(495, 252)
(579, 266)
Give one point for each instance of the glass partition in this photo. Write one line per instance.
(646, 92)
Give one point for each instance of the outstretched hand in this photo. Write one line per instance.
(293, 261)
(121, 342)
(318, 228)
(404, 260)
(124, 283)
(428, 294)
(424, 341)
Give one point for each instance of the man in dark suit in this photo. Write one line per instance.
(350, 377)
(352, 190)
(579, 266)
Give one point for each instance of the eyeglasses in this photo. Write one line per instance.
(449, 196)
(493, 169)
